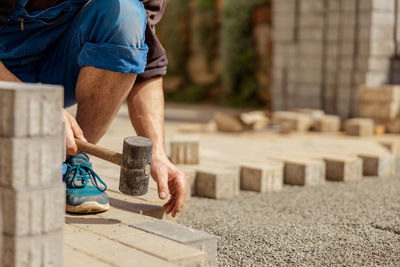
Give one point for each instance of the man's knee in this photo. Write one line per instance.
(120, 21)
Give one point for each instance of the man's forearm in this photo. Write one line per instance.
(6, 75)
(146, 110)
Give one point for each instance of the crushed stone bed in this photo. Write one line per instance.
(332, 224)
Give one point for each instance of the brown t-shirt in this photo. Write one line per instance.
(156, 57)
(6, 6)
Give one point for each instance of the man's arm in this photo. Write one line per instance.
(146, 110)
(72, 128)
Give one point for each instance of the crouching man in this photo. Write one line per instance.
(104, 52)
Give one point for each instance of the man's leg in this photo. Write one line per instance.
(106, 35)
(99, 94)
(96, 60)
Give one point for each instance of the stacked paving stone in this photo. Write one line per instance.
(303, 120)
(185, 149)
(359, 127)
(382, 104)
(323, 50)
(32, 194)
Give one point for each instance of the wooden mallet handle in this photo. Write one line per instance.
(99, 152)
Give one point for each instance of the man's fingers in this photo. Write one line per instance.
(71, 146)
(72, 130)
(175, 204)
(180, 194)
(162, 184)
(169, 180)
(168, 203)
(178, 205)
(170, 207)
(76, 129)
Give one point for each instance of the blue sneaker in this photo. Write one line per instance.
(84, 194)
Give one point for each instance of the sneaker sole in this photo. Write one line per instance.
(88, 207)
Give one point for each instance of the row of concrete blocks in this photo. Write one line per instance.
(225, 181)
(32, 195)
(304, 120)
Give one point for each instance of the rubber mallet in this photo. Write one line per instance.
(135, 162)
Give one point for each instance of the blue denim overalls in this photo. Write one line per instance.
(50, 46)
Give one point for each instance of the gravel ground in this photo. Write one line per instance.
(332, 224)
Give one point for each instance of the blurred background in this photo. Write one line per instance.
(286, 54)
(219, 51)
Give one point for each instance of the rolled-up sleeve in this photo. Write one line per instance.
(156, 56)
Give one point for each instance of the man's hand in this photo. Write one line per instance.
(72, 131)
(6, 75)
(169, 180)
(146, 110)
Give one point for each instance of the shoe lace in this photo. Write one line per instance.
(83, 172)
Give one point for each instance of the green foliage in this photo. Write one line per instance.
(189, 94)
(207, 29)
(237, 51)
(173, 34)
(233, 44)
(206, 5)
